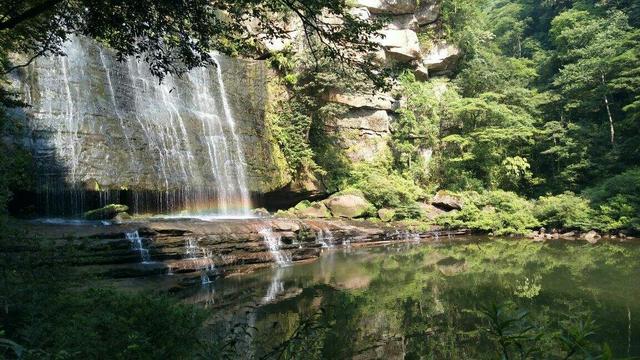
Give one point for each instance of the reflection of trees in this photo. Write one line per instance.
(427, 302)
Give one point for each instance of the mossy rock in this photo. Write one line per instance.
(386, 215)
(304, 204)
(349, 206)
(447, 201)
(349, 191)
(316, 210)
(106, 213)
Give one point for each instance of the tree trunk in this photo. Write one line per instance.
(611, 128)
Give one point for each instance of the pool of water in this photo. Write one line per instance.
(432, 301)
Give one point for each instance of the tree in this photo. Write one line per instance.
(588, 47)
(173, 36)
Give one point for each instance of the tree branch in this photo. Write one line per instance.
(28, 14)
(15, 67)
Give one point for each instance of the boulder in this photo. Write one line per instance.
(401, 45)
(284, 225)
(402, 22)
(386, 215)
(376, 101)
(429, 211)
(394, 7)
(536, 237)
(105, 213)
(349, 206)
(427, 12)
(440, 58)
(261, 212)
(571, 235)
(377, 121)
(592, 237)
(123, 216)
(316, 210)
(446, 201)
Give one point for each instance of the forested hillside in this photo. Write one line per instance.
(319, 179)
(544, 104)
(538, 100)
(547, 100)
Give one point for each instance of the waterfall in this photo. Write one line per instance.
(172, 147)
(201, 258)
(137, 245)
(324, 237)
(406, 236)
(273, 242)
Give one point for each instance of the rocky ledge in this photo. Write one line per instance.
(209, 248)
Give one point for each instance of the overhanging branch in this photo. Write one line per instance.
(28, 14)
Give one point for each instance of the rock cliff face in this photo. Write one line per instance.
(103, 131)
(364, 131)
(101, 125)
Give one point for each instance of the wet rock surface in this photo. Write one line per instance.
(214, 248)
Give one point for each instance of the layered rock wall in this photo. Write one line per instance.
(363, 132)
(105, 113)
(102, 125)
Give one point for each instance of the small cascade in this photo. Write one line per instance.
(413, 236)
(201, 258)
(406, 236)
(191, 248)
(137, 245)
(324, 237)
(208, 268)
(273, 242)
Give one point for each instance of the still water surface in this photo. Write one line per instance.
(427, 301)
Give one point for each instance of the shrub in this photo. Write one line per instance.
(411, 211)
(383, 187)
(617, 201)
(566, 211)
(109, 324)
(499, 212)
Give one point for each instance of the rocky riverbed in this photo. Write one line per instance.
(207, 248)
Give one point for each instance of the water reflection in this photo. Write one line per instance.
(411, 301)
(276, 286)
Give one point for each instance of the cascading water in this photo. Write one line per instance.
(324, 237)
(201, 258)
(273, 242)
(406, 236)
(113, 134)
(137, 245)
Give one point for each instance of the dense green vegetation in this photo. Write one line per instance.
(548, 102)
(539, 126)
(544, 101)
(51, 310)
